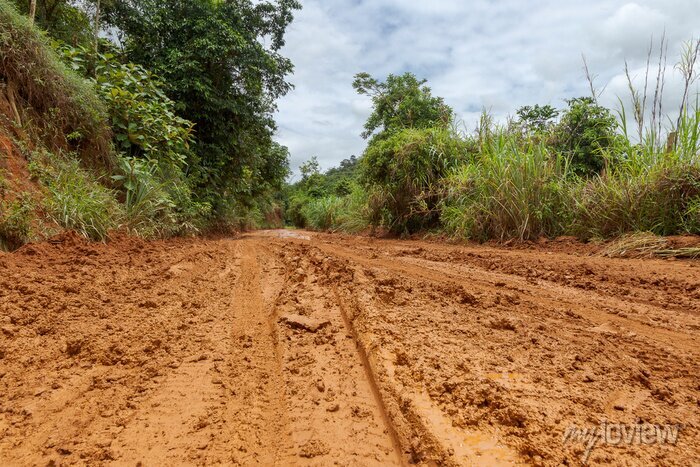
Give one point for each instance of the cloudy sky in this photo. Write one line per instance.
(477, 54)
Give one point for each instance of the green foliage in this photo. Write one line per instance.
(75, 199)
(221, 64)
(662, 200)
(536, 120)
(412, 149)
(61, 19)
(407, 168)
(294, 206)
(511, 190)
(350, 213)
(338, 182)
(584, 134)
(15, 222)
(64, 103)
(399, 103)
(142, 117)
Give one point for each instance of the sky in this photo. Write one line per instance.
(496, 55)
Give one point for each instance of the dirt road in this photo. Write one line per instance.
(285, 348)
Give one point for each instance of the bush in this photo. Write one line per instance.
(149, 211)
(323, 213)
(143, 118)
(585, 133)
(350, 213)
(513, 189)
(660, 200)
(407, 168)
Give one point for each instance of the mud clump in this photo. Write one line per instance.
(304, 323)
(313, 448)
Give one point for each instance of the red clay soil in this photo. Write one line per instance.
(285, 348)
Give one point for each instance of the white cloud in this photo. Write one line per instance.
(476, 53)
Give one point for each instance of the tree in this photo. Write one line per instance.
(536, 119)
(220, 63)
(401, 102)
(309, 168)
(60, 18)
(411, 149)
(585, 133)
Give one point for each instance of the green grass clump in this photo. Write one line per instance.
(75, 199)
(512, 189)
(15, 222)
(652, 188)
(351, 213)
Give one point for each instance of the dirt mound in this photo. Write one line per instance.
(315, 349)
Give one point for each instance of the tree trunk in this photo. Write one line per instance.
(11, 93)
(32, 10)
(97, 26)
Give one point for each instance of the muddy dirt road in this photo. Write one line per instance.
(281, 348)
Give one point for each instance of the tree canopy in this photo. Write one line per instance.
(401, 102)
(220, 63)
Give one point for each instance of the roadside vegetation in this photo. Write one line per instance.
(167, 131)
(581, 170)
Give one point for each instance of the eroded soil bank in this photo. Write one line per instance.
(282, 348)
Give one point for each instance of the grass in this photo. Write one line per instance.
(687, 253)
(639, 244)
(74, 198)
(647, 245)
(509, 190)
(519, 188)
(351, 213)
(15, 222)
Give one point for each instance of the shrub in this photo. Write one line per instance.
(323, 213)
(407, 168)
(143, 118)
(148, 209)
(585, 133)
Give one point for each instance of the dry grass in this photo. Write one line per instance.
(636, 245)
(647, 245)
(688, 253)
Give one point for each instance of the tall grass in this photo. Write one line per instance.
(512, 189)
(351, 213)
(653, 188)
(516, 187)
(74, 198)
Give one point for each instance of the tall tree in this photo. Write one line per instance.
(401, 102)
(32, 10)
(221, 62)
